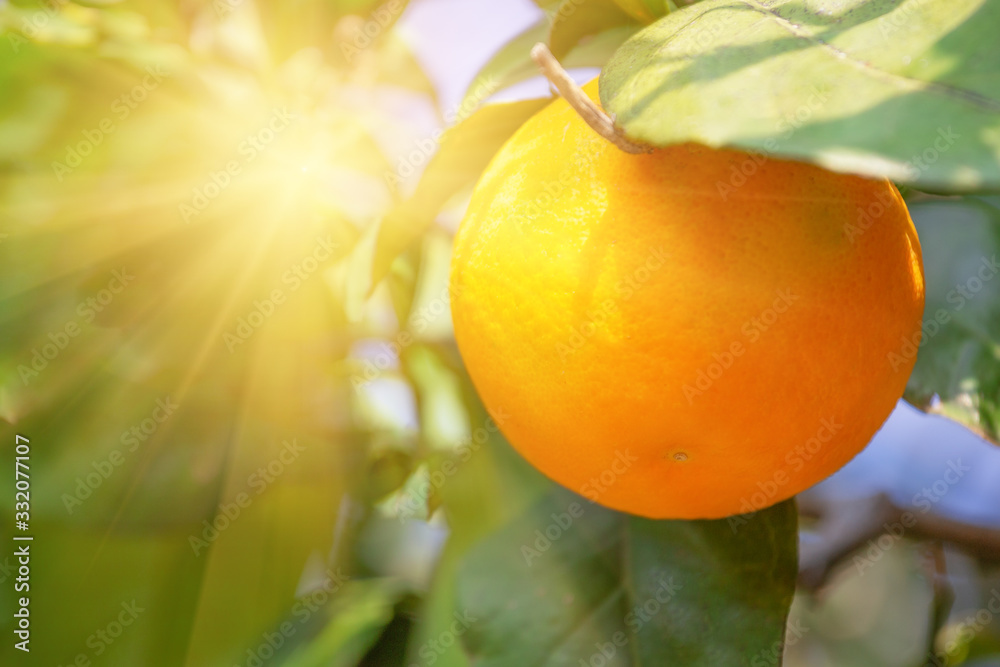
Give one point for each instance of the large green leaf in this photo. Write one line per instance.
(508, 66)
(490, 487)
(959, 356)
(605, 588)
(909, 90)
(464, 152)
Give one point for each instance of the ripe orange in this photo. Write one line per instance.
(691, 333)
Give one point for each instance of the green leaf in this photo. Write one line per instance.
(444, 422)
(397, 65)
(735, 583)
(489, 489)
(593, 584)
(465, 151)
(906, 90)
(357, 617)
(959, 356)
(290, 520)
(584, 38)
(510, 65)
(574, 22)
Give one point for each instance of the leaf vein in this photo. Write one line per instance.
(973, 98)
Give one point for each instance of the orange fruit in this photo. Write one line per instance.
(690, 333)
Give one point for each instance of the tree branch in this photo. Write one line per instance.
(844, 527)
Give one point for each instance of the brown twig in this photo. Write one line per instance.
(944, 598)
(591, 113)
(845, 527)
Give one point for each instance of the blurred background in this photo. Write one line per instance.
(226, 334)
